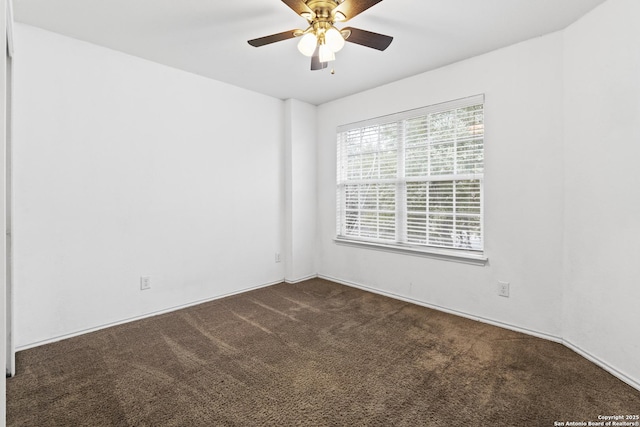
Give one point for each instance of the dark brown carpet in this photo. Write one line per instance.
(315, 353)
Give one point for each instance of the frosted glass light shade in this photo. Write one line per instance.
(334, 39)
(326, 54)
(339, 17)
(307, 44)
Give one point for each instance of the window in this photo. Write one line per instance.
(414, 180)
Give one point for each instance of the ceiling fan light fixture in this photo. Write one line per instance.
(307, 44)
(326, 54)
(339, 17)
(334, 39)
(321, 40)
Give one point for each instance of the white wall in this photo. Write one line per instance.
(125, 168)
(562, 117)
(602, 204)
(300, 190)
(3, 247)
(523, 189)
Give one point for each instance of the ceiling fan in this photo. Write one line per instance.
(321, 39)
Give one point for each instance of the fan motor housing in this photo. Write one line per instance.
(322, 9)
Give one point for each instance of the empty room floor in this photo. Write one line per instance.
(312, 353)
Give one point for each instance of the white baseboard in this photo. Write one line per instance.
(604, 365)
(301, 279)
(613, 371)
(143, 316)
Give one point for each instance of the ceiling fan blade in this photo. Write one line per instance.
(351, 8)
(272, 38)
(298, 6)
(367, 38)
(315, 61)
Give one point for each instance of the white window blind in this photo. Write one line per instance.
(414, 178)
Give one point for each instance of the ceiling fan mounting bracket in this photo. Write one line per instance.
(322, 10)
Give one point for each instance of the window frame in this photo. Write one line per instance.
(400, 244)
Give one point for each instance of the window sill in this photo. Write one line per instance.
(442, 254)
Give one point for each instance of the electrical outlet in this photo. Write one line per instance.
(503, 289)
(277, 256)
(145, 283)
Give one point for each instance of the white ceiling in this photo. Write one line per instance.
(209, 37)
